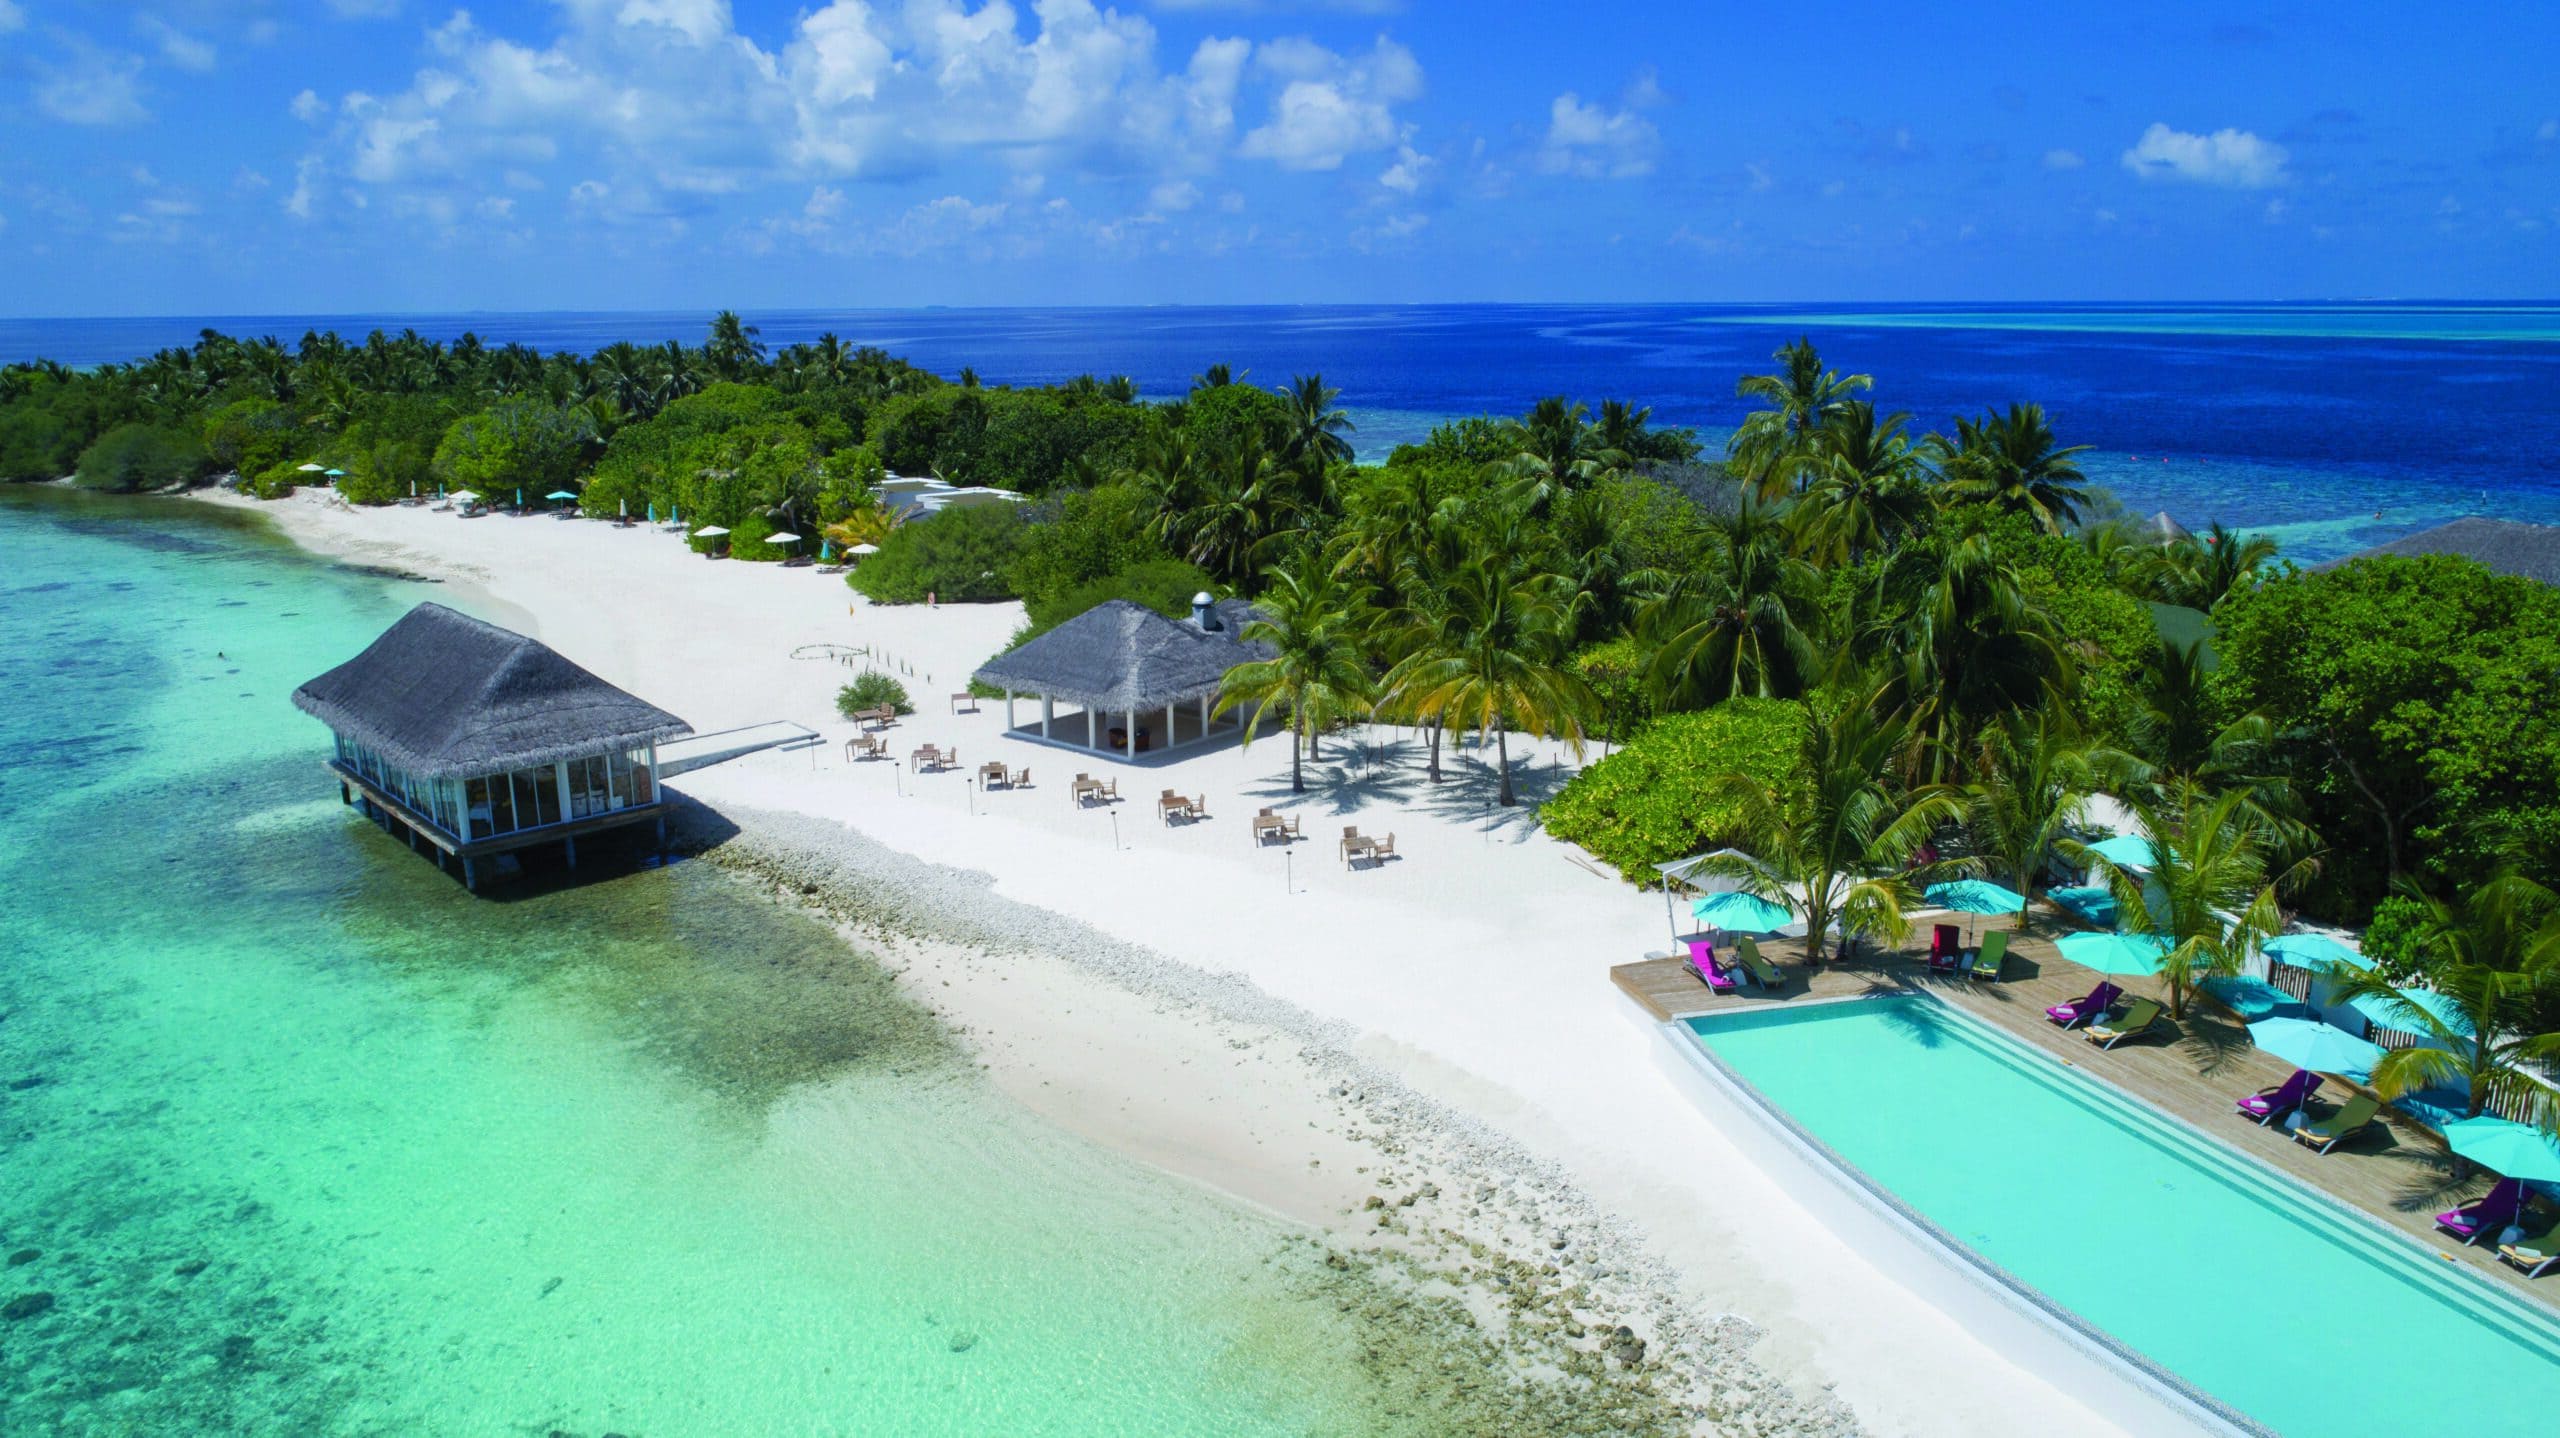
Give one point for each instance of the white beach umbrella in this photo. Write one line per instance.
(465, 495)
(864, 549)
(314, 468)
(786, 537)
(709, 531)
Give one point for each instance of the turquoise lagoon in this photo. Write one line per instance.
(2311, 1321)
(301, 1138)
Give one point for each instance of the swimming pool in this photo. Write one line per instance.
(2238, 1282)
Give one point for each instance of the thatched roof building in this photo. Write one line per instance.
(479, 740)
(1123, 660)
(2509, 546)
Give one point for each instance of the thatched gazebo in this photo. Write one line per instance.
(480, 741)
(1127, 669)
(2508, 546)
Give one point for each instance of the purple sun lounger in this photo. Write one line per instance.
(2485, 1216)
(1702, 962)
(2267, 1103)
(2080, 1010)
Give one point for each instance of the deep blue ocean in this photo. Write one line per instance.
(2333, 426)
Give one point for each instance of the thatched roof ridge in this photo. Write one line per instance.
(1119, 656)
(2509, 546)
(444, 695)
(2163, 528)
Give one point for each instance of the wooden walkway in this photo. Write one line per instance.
(2193, 1068)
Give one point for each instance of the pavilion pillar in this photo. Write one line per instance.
(1048, 706)
(1204, 718)
(470, 878)
(1008, 710)
(1092, 731)
(1130, 734)
(560, 776)
(1170, 737)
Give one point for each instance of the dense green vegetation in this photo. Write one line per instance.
(1865, 654)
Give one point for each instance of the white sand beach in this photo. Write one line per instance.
(1472, 968)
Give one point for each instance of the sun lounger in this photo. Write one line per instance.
(2254, 999)
(2138, 1019)
(2534, 1253)
(2087, 1007)
(1987, 961)
(1702, 962)
(1946, 948)
(2327, 1133)
(1747, 953)
(2486, 1216)
(2267, 1103)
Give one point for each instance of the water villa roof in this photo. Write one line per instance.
(2508, 546)
(447, 696)
(1119, 657)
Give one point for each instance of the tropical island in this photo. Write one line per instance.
(1886, 685)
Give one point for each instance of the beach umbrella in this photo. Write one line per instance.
(784, 538)
(313, 468)
(2115, 955)
(709, 531)
(465, 495)
(2321, 1048)
(2317, 952)
(1975, 896)
(2380, 1011)
(825, 549)
(864, 549)
(560, 494)
(1741, 913)
(2132, 851)
(335, 473)
(653, 511)
(2519, 1151)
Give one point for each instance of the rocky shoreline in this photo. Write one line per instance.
(1492, 1294)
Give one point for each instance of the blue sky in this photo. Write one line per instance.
(237, 156)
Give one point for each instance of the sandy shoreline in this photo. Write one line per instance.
(1267, 1023)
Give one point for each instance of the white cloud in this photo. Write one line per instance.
(176, 46)
(308, 107)
(1173, 196)
(1589, 141)
(1411, 171)
(2550, 131)
(2276, 210)
(2063, 160)
(366, 9)
(2234, 158)
(1331, 106)
(11, 17)
(94, 87)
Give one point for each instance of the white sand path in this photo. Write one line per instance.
(1474, 966)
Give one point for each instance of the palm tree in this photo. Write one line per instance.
(2209, 891)
(1865, 485)
(1775, 447)
(735, 347)
(1621, 426)
(1560, 454)
(1494, 657)
(1316, 670)
(1214, 377)
(1836, 838)
(1314, 426)
(2033, 777)
(1742, 622)
(2496, 956)
(2197, 572)
(2011, 462)
(1970, 645)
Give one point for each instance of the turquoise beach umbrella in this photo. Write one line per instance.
(2132, 851)
(519, 497)
(1975, 896)
(559, 494)
(1741, 913)
(2321, 1048)
(653, 513)
(2514, 1149)
(2317, 952)
(2380, 1011)
(2115, 954)
(826, 551)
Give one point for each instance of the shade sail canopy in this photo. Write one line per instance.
(1975, 896)
(1741, 913)
(2321, 1048)
(1119, 657)
(2114, 954)
(2514, 1149)
(444, 695)
(2132, 851)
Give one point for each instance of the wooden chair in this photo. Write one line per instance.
(1352, 845)
(964, 697)
(865, 746)
(1169, 803)
(1381, 850)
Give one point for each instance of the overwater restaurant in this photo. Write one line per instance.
(477, 741)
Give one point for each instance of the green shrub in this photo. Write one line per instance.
(1163, 585)
(275, 481)
(1616, 673)
(1657, 799)
(2391, 941)
(747, 540)
(958, 556)
(870, 690)
(140, 456)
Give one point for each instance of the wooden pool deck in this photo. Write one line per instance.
(2193, 1068)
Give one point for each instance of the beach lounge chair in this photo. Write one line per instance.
(1764, 973)
(1987, 959)
(2087, 1007)
(2486, 1216)
(2253, 999)
(1702, 962)
(2138, 1018)
(1946, 948)
(2534, 1253)
(2327, 1133)
(2284, 1098)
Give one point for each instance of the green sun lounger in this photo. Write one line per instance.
(2350, 1120)
(2138, 1019)
(2537, 1253)
(1994, 951)
(1753, 963)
